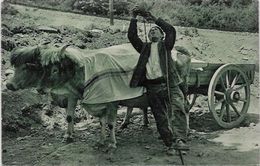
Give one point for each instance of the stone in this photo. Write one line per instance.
(48, 29)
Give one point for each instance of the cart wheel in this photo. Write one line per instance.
(229, 95)
(191, 98)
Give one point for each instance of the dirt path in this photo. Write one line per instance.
(35, 138)
(136, 145)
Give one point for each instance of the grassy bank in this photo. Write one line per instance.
(226, 15)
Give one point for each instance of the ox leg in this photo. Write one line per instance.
(145, 117)
(187, 115)
(103, 130)
(112, 125)
(72, 102)
(127, 117)
(48, 106)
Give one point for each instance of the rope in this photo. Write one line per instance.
(145, 34)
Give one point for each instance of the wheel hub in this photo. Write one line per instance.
(235, 96)
(232, 95)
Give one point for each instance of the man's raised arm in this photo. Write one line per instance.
(132, 33)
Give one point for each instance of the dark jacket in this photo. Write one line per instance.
(164, 50)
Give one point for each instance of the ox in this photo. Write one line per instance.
(96, 79)
(68, 74)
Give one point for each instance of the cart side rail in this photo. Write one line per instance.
(200, 77)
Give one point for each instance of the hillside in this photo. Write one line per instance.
(208, 45)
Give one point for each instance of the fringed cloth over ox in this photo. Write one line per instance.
(108, 72)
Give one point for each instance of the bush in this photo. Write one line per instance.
(101, 7)
(228, 15)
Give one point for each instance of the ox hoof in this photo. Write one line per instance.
(145, 125)
(123, 126)
(100, 144)
(112, 146)
(68, 140)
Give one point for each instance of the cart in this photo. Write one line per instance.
(227, 87)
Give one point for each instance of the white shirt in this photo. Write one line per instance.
(153, 68)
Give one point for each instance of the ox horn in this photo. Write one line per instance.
(63, 49)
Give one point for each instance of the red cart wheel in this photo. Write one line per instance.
(229, 95)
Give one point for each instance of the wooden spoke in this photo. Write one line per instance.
(222, 111)
(227, 79)
(219, 93)
(240, 87)
(235, 109)
(243, 100)
(235, 80)
(222, 83)
(219, 102)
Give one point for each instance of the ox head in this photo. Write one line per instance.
(27, 68)
(41, 67)
(58, 65)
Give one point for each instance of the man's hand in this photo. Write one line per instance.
(135, 11)
(149, 17)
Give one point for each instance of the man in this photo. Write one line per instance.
(156, 71)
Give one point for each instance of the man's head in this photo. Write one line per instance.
(155, 34)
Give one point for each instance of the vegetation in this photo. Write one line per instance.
(227, 15)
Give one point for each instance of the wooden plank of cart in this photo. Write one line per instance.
(227, 87)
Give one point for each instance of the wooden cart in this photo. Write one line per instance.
(227, 87)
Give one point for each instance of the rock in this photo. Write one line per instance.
(252, 124)
(48, 29)
(56, 156)
(231, 148)
(180, 37)
(3, 61)
(147, 159)
(80, 45)
(92, 34)
(22, 30)
(8, 44)
(20, 138)
(200, 154)
(8, 72)
(244, 51)
(147, 147)
(6, 32)
(97, 31)
(45, 42)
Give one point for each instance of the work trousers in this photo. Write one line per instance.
(168, 114)
(158, 98)
(176, 115)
